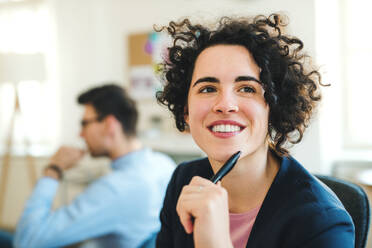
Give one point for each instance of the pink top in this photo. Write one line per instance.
(241, 226)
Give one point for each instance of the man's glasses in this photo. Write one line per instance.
(86, 122)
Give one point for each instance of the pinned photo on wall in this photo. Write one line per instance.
(146, 51)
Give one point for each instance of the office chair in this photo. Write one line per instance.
(356, 203)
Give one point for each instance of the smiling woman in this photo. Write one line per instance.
(231, 107)
(245, 86)
(280, 59)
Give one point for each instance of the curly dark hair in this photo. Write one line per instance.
(291, 87)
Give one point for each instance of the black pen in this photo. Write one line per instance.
(226, 167)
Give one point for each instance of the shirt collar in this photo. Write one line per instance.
(128, 159)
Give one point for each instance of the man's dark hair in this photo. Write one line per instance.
(291, 88)
(113, 100)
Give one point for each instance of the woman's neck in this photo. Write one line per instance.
(249, 181)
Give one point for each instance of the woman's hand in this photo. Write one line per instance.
(203, 209)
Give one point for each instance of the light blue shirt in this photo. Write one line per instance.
(120, 209)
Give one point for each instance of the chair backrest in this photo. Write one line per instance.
(355, 201)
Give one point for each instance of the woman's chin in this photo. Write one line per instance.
(220, 156)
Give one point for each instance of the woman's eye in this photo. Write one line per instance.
(247, 89)
(207, 90)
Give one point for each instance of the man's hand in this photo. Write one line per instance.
(66, 157)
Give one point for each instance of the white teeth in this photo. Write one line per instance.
(225, 128)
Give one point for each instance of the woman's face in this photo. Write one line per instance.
(226, 109)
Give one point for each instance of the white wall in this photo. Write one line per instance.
(91, 37)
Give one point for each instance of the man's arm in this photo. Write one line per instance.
(90, 215)
(40, 202)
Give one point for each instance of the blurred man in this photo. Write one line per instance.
(120, 209)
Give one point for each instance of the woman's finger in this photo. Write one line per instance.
(196, 180)
(186, 220)
(183, 208)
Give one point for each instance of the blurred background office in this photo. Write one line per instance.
(51, 50)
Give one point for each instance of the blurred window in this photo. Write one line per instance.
(25, 29)
(357, 44)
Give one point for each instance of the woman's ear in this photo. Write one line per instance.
(186, 118)
(186, 115)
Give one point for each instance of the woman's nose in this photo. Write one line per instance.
(226, 103)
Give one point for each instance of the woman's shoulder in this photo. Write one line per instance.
(304, 187)
(301, 207)
(296, 194)
(305, 197)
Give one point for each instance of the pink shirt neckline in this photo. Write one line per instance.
(252, 212)
(241, 226)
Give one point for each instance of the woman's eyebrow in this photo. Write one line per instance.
(206, 79)
(247, 78)
(215, 80)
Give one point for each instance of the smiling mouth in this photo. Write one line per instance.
(225, 128)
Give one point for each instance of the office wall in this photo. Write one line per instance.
(91, 46)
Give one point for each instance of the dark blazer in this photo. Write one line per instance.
(298, 211)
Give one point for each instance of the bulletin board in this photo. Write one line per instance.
(146, 50)
(137, 50)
